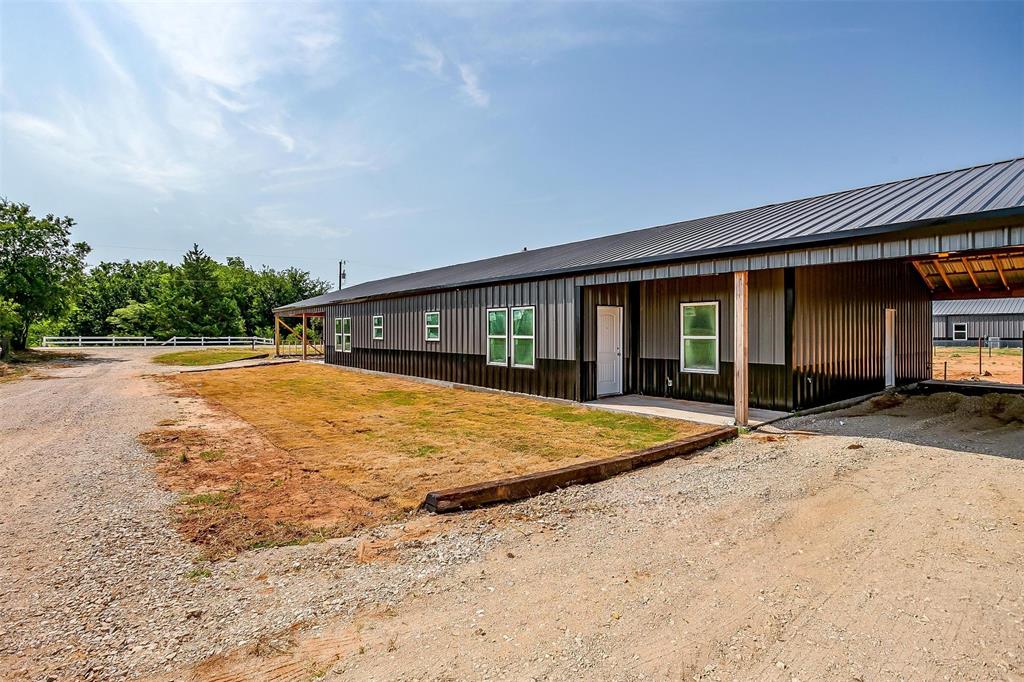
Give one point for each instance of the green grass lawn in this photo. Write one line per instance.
(207, 356)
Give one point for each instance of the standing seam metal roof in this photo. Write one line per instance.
(981, 306)
(975, 190)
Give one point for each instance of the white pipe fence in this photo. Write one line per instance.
(85, 341)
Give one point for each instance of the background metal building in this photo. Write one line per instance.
(965, 321)
(814, 277)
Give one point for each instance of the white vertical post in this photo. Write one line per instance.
(740, 382)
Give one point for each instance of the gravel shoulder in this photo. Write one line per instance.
(858, 545)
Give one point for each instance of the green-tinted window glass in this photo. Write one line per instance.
(497, 351)
(346, 325)
(522, 352)
(700, 354)
(378, 327)
(497, 322)
(433, 326)
(522, 321)
(700, 320)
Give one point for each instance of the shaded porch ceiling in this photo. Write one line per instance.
(973, 275)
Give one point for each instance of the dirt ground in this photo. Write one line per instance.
(959, 363)
(882, 542)
(291, 452)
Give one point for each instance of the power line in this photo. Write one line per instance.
(390, 268)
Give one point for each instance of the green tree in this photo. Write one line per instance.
(109, 287)
(10, 323)
(196, 301)
(136, 319)
(257, 293)
(40, 268)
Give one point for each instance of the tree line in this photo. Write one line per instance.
(46, 288)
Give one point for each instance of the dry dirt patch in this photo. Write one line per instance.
(961, 362)
(282, 454)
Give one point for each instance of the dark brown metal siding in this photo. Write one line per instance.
(839, 324)
(655, 341)
(459, 355)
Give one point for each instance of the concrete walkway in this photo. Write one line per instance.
(702, 413)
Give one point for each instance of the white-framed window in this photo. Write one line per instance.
(497, 336)
(432, 326)
(959, 331)
(343, 334)
(698, 337)
(378, 327)
(523, 347)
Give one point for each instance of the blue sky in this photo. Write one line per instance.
(403, 136)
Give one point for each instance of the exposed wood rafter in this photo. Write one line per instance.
(970, 273)
(924, 276)
(999, 269)
(942, 273)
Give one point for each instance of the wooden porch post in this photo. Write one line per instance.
(303, 336)
(741, 387)
(277, 336)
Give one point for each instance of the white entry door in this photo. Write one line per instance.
(609, 350)
(890, 347)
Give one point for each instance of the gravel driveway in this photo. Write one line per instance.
(851, 546)
(94, 581)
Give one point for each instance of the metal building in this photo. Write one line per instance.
(782, 306)
(963, 322)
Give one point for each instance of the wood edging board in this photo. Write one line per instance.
(529, 485)
(272, 363)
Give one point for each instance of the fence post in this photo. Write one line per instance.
(79, 341)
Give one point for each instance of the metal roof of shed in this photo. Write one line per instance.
(983, 306)
(877, 208)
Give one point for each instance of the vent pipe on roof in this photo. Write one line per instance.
(341, 274)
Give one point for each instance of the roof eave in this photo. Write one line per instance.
(737, 250)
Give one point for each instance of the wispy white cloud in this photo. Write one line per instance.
(429, 58)
(471, 86)
(95, 40)
(281, 220)
(398, 212)
(209, 115)
(33, 126)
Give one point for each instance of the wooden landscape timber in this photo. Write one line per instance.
(529, 485)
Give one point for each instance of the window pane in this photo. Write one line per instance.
(433, 333)
(433, 318)
(699, 354)
(497, 351)
(699, 320)
(346, 324)
(522, 352)
(496, 322)
(522, 322)
(337, 325)
(378, 332)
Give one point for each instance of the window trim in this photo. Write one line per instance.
(956, 331)
(346, 336)
(510, 328)
(374, 327)
(683, 337)
(487, 330)
(427, 326)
